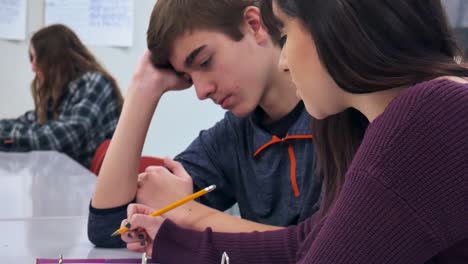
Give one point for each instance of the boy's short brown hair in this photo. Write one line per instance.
(172, 18)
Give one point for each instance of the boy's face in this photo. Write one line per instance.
(234, 74)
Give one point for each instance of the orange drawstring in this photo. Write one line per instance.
(292, 157)
(274, 140)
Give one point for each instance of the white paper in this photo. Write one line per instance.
(97, 22)
(13, 19)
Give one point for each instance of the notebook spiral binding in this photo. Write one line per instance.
(225, 258)
(144, 259)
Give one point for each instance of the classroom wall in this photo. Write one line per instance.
(178, 119)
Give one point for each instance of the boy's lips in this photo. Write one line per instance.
(224, 103)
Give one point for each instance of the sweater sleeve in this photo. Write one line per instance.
(369, 224)
(103, 222)
(174, 244)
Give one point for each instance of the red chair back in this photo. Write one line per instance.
(98, 158)
(147, 161)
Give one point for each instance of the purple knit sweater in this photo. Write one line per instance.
(405, 199)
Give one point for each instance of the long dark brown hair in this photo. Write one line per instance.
(369, 46)
(60, 58)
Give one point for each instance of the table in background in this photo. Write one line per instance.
(44, 211)
(43, 184)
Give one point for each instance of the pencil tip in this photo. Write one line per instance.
(116, 233)
(210, 188)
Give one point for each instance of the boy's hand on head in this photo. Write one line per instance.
(160, 186)
(155, 81)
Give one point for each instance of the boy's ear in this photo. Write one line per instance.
(254, 24)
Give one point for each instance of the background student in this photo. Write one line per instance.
(77, 102)
(259, 155)
(404, 197)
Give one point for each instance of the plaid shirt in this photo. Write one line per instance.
(88, 115)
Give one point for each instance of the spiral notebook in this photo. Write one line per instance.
(60, 260)
(83, 261)
(143, 260)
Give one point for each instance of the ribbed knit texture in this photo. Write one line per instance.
(405, 199)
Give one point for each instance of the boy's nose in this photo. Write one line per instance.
(204, 89)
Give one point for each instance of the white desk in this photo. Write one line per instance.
(43, 184)
(24, 241)
(45, 201)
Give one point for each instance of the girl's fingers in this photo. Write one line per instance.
(134, 236)
(139, 246)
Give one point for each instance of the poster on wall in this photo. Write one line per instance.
(457, 11)
(97, 22)
(13, 19)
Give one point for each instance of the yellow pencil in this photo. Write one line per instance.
(172, 206)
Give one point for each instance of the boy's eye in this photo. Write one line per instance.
(282, 40)
(205, 63)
